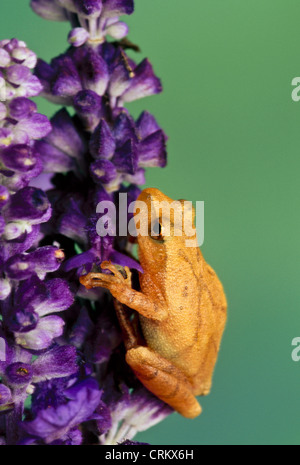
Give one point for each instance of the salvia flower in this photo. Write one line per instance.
(64, 352)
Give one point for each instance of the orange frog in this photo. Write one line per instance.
(181, 309)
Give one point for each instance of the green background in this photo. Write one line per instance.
(234, 142)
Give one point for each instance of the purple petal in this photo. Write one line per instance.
(24, 242)
(47, 329)
(78, 36)
(143, 84)
(120, 79)
(4, 58)
(46, 259)
(125, 158)
(124, 128)
(103, 171)
(45, 74)
(42, 261)
(113, 8)
(73, 222)
(43, 181)
(137, 178)
(18, 74)
(102, 143)
(94, 72)
(152, 150)
(64, 135)
(146, 125)
(5, 395)
(48, 9)
(3, 111)
(2, 225)
(19, 267)
(57, 362)
(83, 259)
(88, 106)
(89, 7)
(54, 160)
(22, 55)
(118, 30)
(5, 289)
(21, 108)
(19, 157)
(67, 81)
(29, 204)
(123, 260)
(81, 329)
(32, 87)
(59, 297)
(36, 126)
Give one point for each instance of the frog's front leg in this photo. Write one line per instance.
(121, 289)
(164, 380)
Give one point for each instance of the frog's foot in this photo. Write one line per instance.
(107, 281)
(164, 380)
(118, 271)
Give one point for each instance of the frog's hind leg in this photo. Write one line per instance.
(164, 380)
(129, 325)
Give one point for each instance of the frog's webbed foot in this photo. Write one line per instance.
(115, 280)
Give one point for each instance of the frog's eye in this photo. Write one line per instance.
(156, 231)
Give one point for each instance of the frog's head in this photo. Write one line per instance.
(163, 227)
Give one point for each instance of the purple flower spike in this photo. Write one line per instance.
(62, 342)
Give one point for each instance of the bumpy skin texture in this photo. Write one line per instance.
(181, 308)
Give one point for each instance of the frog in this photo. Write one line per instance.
(173, 338)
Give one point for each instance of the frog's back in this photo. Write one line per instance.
(190, 337)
